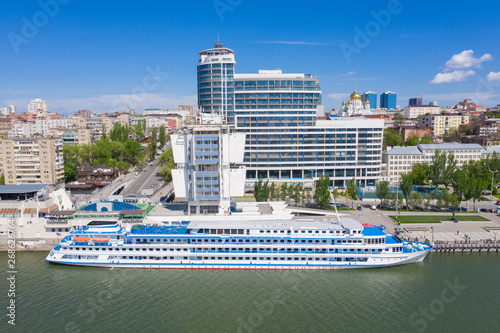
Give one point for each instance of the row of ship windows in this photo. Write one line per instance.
(262, 241)
(232, 250)
(67, 256)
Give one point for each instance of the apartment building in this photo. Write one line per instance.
(32, 161)
(442, 123)
(413, 111)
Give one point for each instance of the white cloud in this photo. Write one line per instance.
(107, 103)
(338, 96)
(345, 74)
(484, 98)
(465, 59)
(455, 76)
(492, 76)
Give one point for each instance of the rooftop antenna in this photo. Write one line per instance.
(218, 45)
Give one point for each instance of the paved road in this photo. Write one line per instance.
(145, 179)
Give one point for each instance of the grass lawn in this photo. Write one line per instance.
(434, 218)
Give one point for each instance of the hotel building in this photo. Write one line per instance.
(285, 140)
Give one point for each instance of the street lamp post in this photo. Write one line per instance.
(397, 198)
(491, 194)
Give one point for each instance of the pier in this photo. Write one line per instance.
(452, 247)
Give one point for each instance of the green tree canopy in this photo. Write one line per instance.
(382, 190)
(261, 191)
(406, 185)
(391, 138)
(420, 173)
(352, 190)
(321, 193)
(162, 136)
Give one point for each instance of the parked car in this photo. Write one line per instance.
(373, 207)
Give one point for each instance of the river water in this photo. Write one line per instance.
(445, 293)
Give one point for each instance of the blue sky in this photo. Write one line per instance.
(108, 55)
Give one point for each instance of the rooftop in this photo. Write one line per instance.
(28, 188)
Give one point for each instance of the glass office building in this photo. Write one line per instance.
(216, 81)
(371, 97)
(286, 141)
(388, 100)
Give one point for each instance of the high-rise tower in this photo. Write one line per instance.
(216, 81)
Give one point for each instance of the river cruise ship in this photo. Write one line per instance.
(290, 244)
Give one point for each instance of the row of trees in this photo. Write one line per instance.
(468, 181)
(392, 138)
(287, 192)
(116, 150)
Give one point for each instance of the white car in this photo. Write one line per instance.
(373, 207)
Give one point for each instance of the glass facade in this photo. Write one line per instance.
(388, 100)
(216, 81)
(371, 97)
(284, 138)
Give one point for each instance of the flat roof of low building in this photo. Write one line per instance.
(26, 188)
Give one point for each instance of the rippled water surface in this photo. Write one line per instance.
(445, 293)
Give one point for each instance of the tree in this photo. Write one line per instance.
(475, 181)
(2, 179)
(453, 135)
(382, 190)
(167, 161)
(415, 199)
(335, 194)
(284, 191)
(162, 136)
(420, 173)
(321, 193)
(352, 190)
(459, 184)
(272, 191)
(391, 138)
(437, 167)
(261, 190)
(138, 132)
(277, 189)
(296, 194)
(290, 193)
(399, 119)
(451, 166)
(413, 141)
(492, 164)
(406, 185)
(426, 140)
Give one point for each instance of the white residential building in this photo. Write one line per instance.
(413, 111)
(400, 159)
(37, 104)
(8, 109)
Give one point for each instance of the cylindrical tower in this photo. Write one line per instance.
(216, 81)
